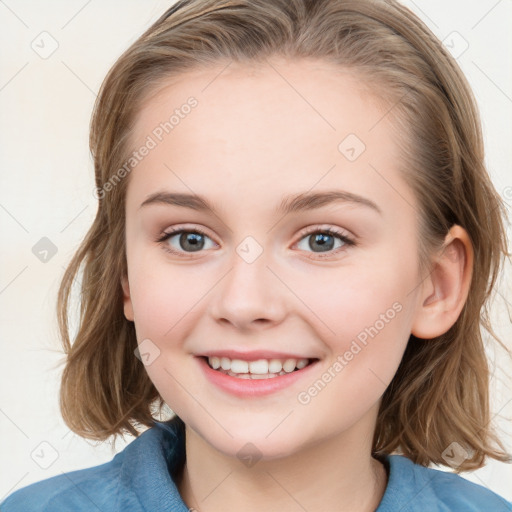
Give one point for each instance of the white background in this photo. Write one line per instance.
(47, 183)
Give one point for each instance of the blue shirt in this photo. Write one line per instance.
(141, 478)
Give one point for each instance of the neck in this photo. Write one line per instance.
(335, 474)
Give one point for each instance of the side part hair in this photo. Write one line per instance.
(440, 393)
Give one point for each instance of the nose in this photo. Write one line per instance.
(250, 296)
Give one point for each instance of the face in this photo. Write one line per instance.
(333, 280)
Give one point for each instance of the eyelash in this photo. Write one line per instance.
(348, 242)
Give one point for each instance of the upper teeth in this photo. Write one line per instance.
(260, 367)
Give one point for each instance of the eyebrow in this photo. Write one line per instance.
(290, 204)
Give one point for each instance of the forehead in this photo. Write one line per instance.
(318, 97)
(287, 124)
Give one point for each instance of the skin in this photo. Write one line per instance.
(252, 139)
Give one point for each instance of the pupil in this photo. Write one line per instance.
(192, 241)
(195, 241)
(320, 239)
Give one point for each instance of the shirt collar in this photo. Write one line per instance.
(152, 462)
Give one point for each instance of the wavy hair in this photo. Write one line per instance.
(440, 392)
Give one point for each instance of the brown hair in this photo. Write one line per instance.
(440, 392)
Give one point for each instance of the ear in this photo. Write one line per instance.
(445, 290)
(127, 301)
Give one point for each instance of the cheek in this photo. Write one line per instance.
(349, 299)
(371, 325)
(163, 295)
(165, 301)
(366, 313)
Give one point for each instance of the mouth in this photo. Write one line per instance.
(250, 376)
(258, 369)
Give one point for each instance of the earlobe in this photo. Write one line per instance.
(445, 291)
(127, 301)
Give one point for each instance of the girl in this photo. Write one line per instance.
(295, 243)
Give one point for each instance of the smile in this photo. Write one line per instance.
(259, 377)
(257, 369)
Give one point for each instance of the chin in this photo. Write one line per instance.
(249, 450)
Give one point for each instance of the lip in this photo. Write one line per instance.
(253, 355)
(245, 388)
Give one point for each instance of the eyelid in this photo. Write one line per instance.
(180, 228)
(170, 232)
(325, 228)
(347, 239)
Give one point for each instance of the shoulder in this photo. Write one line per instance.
(138, 478)
(414, 487)
(88, 489)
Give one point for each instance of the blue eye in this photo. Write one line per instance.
(185, 242)
(324, 241)
(188, 241)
